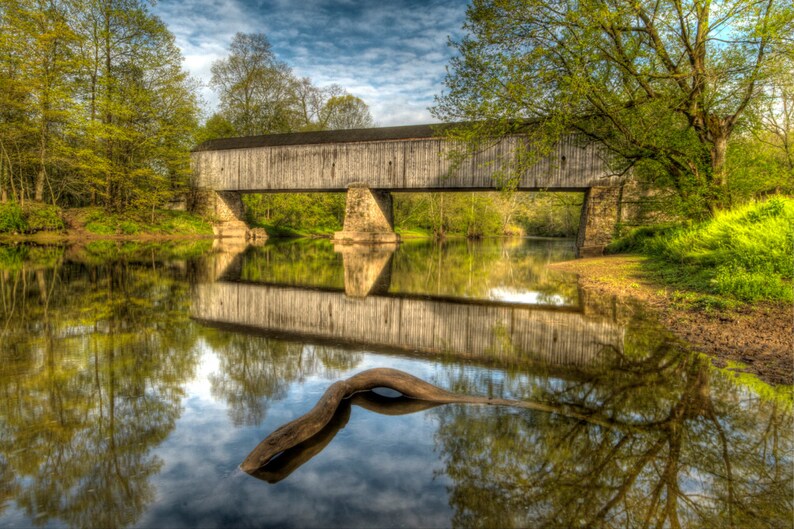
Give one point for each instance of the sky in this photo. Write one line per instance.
(391, 53)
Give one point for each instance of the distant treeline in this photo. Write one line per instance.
(437, 215)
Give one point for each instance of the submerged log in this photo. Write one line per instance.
(281, 466)
(313, 422)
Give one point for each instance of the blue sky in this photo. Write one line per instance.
(390, 53)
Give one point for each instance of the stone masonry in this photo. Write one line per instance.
(368, 217)
(226, 210)
(600, 213)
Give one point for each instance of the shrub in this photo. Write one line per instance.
(128, 227)
(12, 219)
(40, 217)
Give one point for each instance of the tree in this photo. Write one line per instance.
(214, 128)
(257, 91)
(141, 105)
(37, 55)
(346, 112)
(94, 104)
(313, 103)
(658, 83)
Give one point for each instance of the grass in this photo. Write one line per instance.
(166, 222)
(413, 233)
(740, 255)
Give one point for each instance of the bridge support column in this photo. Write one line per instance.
(599, 218)
(225, 208)
(368, 217)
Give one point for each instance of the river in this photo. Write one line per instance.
(135, 378)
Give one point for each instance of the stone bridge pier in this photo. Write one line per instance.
(227, 213)
(369, 217)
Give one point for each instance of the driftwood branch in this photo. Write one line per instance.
(293, 458)
(309, 425)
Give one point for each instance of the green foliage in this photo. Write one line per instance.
(745, 253)
(664, 83)
(95, 107)
(159, 222)
(756, 169)
(39, 217)
(470, 215)
(637, 239)
(180, 222)
(214, 128)
(128, 227)
(489, 214)
(30, 218)
(296, 214)
(346, 112)
(11, 218)
(260, 94)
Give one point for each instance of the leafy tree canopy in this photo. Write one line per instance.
(664, 83)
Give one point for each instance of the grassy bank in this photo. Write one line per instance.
(44, 220)
(739, 256)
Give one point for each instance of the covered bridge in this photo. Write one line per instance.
(370, 164)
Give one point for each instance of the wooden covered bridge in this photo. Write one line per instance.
(370, 164)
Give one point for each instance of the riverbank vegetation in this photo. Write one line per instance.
(38, 220)
(744, 254)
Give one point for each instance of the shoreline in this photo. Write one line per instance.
(754, 339)
(79, 236)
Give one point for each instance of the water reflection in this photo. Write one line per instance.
(93, 363)
(512, 270)
(290, 460)
(103, 421)
(256, 370)
(689, 448)
(509, 334)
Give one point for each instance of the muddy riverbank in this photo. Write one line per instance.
(760, 337)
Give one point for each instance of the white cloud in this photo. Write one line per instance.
(391, 55)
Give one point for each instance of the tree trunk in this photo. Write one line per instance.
(718, 182)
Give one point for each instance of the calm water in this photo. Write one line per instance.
(134, 380)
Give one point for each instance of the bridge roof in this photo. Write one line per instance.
(324, 136)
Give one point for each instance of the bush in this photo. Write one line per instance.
(12, 219)
(128, 227)
(30, 218)
(41, 217)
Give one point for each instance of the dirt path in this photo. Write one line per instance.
(760, 336)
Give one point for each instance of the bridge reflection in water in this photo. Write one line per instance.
(366, 314)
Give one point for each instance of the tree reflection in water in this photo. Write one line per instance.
(690, 449)
(93, 364)
(255, 370)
